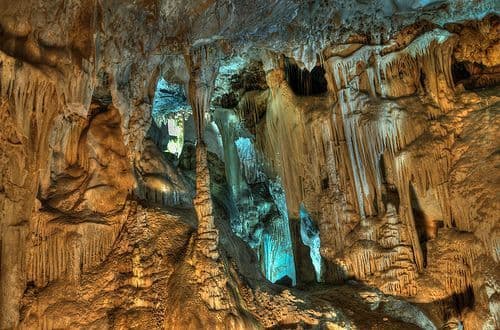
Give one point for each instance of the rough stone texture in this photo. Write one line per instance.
(159, 181)
(396, 159)
(128, 290)
(383, 165)
(90, 171)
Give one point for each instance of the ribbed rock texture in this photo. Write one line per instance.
(338, 166)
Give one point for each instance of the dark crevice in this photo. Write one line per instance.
(421, 224)
(390, 194)
(325, 183)
(102, 90)
(459, 72)
(474, 75)
(303, 82)
(463, 299)
(383, 173)
(423, 79)
(457, 303)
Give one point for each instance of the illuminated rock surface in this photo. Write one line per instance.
(249, 164)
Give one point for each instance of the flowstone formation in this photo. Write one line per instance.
(249, 164)
(375, 161)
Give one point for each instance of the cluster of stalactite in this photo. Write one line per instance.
(23, 151)
(60, 250)
(377, 157)
(66, 154)
(369, 157)
(252, 109)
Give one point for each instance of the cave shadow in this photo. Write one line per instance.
(440, 312)
(303, 82)
(421, 223)
(451, 308)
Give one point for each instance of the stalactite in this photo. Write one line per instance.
(30, 100)
(397, 74)
(61, 249)
(347, 185)
(367, 142)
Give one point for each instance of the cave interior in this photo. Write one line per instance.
(237, 164)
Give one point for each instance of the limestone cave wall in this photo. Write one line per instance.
(337, 168)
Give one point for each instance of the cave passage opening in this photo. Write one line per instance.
(459, 71)
(422, 224)
(170, 112)
(303, 82)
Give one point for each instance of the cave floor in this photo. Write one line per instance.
(128, 289)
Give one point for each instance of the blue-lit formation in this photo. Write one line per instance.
(278, 251)
(278, 260)
(169, 98)
(170, 109)
(309, 234)
(271, 238)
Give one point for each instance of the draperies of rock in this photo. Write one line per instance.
(25, 153)
(395, 162)
(382, 160)
(82, 179)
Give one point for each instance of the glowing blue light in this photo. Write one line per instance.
(169, 98)
(250, 208)
(231, 66)
(309, 234)
(249, 161)
(227, 69)
(245, 149)
(176, 135)
(278, 251)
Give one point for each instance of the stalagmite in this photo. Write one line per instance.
(249, 164)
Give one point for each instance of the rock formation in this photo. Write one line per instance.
(249, 164)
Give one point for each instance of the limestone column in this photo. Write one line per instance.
(209, 271)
